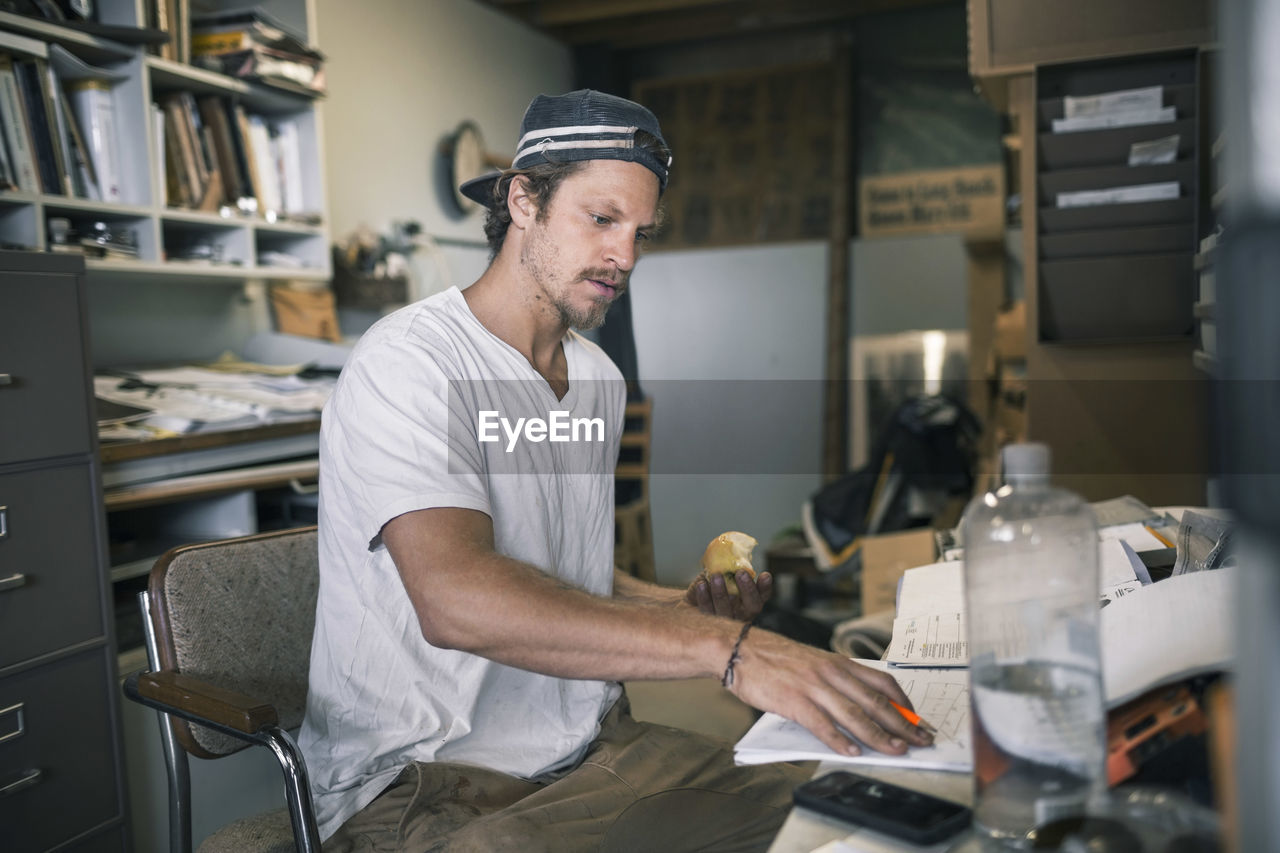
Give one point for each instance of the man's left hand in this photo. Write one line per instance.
(711, 596)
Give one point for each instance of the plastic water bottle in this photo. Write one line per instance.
(1031, 590)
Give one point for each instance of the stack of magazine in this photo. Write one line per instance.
(249, 43)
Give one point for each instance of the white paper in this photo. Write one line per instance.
(1121, 100)
(195, 399)
(1137, 535)
(1137, 193)
(1122, 510)
(940, 697)
(1167, 631)
(1154, 152)
(930, 628)
(935, 588)
(1108, 120)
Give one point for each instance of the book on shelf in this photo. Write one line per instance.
(181, 184)
(17, 132)
(52, 144)
(289, 146)
(73, 180)
(192, 176)
(249, 160)
(86, 178)
(267, 65)
(266, 171)
(89, 90)
(8, 178)
(95, 113)
(217, 123)
(31, 83)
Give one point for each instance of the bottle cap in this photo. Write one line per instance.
(1026, 463)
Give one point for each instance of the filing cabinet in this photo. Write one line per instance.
(61, 779)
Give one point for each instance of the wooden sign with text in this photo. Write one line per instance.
(933, 201)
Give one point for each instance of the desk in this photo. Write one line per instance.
(805, 830)
(127, 463)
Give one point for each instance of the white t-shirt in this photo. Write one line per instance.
(403, 431)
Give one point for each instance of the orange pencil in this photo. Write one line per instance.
(913, 718)
(1153, 532)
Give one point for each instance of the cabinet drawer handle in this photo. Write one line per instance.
(4, 521)
(6, 379)
(21, 784)
(12, 582)
(16, 710)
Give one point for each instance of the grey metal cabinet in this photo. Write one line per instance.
(61, 778)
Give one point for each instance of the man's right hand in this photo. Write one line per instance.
(828, 694)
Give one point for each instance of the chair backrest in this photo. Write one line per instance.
(239, 614)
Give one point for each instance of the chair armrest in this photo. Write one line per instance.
(199, 699)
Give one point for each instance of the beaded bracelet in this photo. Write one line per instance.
(727, 679)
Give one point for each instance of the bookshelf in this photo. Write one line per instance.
(221, 236)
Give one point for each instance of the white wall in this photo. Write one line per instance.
(729, 343)
(910, 283)
(402, 75)
(713, 326)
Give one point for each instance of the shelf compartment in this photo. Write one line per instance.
(215, 242)
(1129, 298)
(83, 215)
(92, 48)
(1106, 177)
(1108, 242)
(19, 225)
(311, 248)
(1180, 96)
(1176, 211)
(1110, 147)
(169, 76)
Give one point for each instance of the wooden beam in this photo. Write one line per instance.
(555, 13)
(722, 21)
(835, 400)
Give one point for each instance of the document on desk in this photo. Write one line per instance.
(930, 628)
(1168, 631)
(189, 399)
(940, 696)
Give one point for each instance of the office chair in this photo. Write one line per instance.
(228, 627)
(633, 524)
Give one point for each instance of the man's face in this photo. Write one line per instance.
(580, 251)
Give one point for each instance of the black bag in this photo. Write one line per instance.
(922, 457)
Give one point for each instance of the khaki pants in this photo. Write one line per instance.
(642, 787)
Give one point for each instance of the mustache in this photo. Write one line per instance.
(614, 278)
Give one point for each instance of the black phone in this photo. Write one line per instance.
(891, 809)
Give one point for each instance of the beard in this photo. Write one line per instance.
(541, 259)
(585, 319)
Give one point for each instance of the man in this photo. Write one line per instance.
(471, 631)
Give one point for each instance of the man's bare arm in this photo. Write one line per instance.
(469, 597)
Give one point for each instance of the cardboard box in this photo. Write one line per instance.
(885, 558)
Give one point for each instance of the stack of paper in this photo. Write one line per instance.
(930, 627)
(191, 399)
(1161, 634)
(1124, 108)
(1161, 191)
(940, 696)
